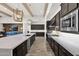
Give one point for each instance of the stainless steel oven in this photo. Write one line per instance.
(70, 22)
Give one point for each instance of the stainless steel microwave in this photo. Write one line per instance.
(70, 22)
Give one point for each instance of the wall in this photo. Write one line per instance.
(20, 27)
(7, 20)
(35, 20)
(1, 27)
(53, 12)
(26, 25)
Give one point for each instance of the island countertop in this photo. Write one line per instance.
(69, 41)
(11, 42)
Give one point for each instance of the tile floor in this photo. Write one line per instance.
(40, 48)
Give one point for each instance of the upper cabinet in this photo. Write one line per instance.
(53, 21)
(57, 18)
(67, 8)
(72, 6)
(78, 4)
(64, 9)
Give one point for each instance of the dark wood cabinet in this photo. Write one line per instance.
(25, 48)
(53, 21)
(53, 45)
(64, 9)
(48, 23)
(63, 51)
(32, 39)
(57, 48)
(39, 33)
(21, 50)
(78, 5)
(72, 6)
(57, 18)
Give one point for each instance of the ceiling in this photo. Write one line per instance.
(29, 9)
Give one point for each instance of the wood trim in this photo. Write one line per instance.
(45, 9)
(27, 8)
(5, 13)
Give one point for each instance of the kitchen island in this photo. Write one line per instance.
(16, 45)
(66, 44)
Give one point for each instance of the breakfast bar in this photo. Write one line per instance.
(16, 45)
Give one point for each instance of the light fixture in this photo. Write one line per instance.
(18, 15)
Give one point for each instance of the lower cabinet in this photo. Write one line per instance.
(39, 33)
(32, 39)
(57, 48)
(22, 49)
(63, 51)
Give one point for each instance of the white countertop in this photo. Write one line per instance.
(11, 42)
(69, 41)
(37, 30)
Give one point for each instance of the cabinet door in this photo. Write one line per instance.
(58, 19)
(20, 50)
(78, 4)
(56, 49)
(15, 52)
(32, 39)
(53, 45)
(53, 21)
(39, 33)
(64, 9)
(63, 52)
(25, 48)
(72, 6)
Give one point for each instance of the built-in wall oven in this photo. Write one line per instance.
(70, 22)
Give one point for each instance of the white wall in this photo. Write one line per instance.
(7, 20)
(1, 27)
(26, 25)
(35, 20)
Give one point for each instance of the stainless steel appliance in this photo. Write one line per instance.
(70, 22)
